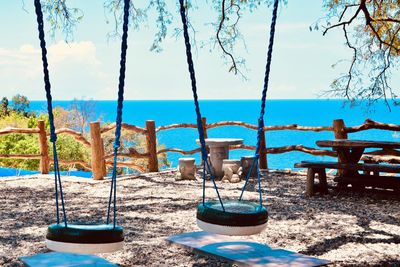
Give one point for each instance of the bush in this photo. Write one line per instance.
(77, 117)
(11, 144)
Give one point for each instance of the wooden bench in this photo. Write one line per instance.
(380, 159)
(356, 180)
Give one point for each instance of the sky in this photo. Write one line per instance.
(87, 67)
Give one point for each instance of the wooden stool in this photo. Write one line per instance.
(323, 184)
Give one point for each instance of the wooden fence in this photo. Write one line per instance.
(100, 160)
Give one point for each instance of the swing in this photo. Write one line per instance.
(81, 237)
(230, 217)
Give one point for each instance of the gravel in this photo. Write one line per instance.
(348, 228)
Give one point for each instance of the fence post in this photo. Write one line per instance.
(44, 149)
(263, 152)
(204, 122)
(97, 157)
(339, 129)
(151, 139)
(102, 156)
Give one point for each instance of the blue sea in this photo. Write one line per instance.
(278, 112)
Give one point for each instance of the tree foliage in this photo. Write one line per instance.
(67, 147)
(4, 107)
(371, 30)
(161, 14)
(61, 17)
(77, 116)
(20, 104)
(134, 141)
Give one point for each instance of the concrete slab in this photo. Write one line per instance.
(59, 259)
(243, 253)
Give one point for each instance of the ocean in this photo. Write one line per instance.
(278, 112)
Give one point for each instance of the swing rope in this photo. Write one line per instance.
(53, 135)
(200, 128)
(117, 142)
(197, 108)
(263, 100)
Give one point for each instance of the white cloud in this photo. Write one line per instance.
(28, 57)
(84, 52)
(73, 68)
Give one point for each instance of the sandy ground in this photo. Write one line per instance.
(348, 228)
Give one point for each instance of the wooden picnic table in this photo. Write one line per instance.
(351, 151)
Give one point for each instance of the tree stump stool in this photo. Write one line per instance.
(246, 162)
(232, 170)
(187, 169)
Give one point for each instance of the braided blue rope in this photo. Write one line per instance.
(53, 136)
(263, 100)
(200, 128)
(117, 142)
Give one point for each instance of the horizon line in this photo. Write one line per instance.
(189, 99)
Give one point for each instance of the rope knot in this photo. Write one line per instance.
(53, 137)
(261, 123)
(117, 144)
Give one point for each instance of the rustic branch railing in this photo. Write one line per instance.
(175, 126)
(20, 156)
(284, 149)
(231, 123)
(267, 128)
(300, 148)
(181, 151)
(128, 155)
(125, 126)
(128, 164)
(11, 130)
(76, 135)
(296, 127)
(370, 124)
(264, 150)
(99, 160)
(82, 163)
